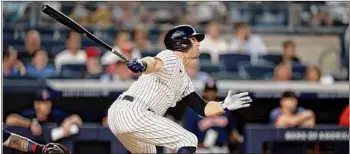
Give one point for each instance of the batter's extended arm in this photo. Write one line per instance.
(214, 108)
(145, 65)
(153, 64)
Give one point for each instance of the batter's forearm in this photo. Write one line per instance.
(153, 65)
(213, 109)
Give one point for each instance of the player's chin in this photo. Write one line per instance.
(196, 56)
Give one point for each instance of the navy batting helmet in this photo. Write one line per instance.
(177, 38)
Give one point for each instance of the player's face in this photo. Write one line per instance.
(193, 52)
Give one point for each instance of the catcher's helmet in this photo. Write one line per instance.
(177, 38)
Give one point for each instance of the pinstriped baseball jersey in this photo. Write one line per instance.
(140, 129)
(162, 89)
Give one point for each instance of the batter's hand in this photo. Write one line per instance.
(136, 65)
(234, 102)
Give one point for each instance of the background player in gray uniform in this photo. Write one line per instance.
(23, 144)
(136, 117)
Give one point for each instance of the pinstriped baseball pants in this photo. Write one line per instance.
(140, 130)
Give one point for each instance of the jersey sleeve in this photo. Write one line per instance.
(189, 89)
(170, 63)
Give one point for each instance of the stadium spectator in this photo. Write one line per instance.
(290, 115)
(119, 72)
(124, 15)
(282, 72)
(288, 55)
(93, 65)
(42, 112)
(123, 44)
(313, 74)
(204, 12)
(160, 42)
(344, 118)
(73, 54)
(47, 20)
(39, 68)
(141, 39)
(32, 44)
(102, 16)
(14, 11)
(80, 13)
(213, 43)
(193, 71)
(212, 133)
(105, 119)
(245, 42)
(11, 65)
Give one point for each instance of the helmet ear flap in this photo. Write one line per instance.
(181, 44)
(186, 44)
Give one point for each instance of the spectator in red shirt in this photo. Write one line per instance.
(93, 65)
(344, 118)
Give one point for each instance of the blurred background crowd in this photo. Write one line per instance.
(233, 48)
(271, 41)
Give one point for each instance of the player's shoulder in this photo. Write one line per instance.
(166, 55)
(166, 52)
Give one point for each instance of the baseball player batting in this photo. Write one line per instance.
(14, 141)
(136, 117)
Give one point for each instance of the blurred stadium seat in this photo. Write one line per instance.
(73, 71)
(204, 58)
(225, 75)
(255, 72)
(230, 61)
(209, 67)
(57, 48)
(272, 58)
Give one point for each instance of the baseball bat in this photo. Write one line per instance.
(65, 20)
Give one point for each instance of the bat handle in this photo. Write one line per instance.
(126, 59)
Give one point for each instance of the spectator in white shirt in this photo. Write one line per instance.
(73, 54)
(245, 42)
(213, 43)
(124, 45)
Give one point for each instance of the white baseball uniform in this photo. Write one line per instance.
(139, 124)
